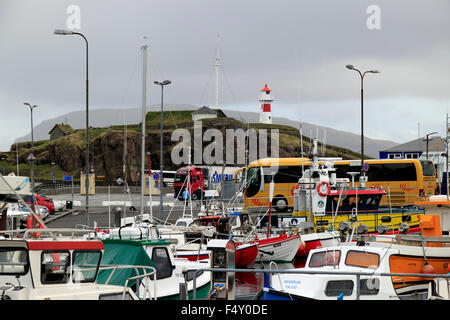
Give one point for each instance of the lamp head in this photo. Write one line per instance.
(374, 71)
(162, 83)
(62, 32)
(349, 66)
(31, 106)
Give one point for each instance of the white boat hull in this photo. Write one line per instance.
(282, 250)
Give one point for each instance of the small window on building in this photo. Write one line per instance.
(395, 156)
(54, 265)
(362, 259)
(335, 288)
(411, 155)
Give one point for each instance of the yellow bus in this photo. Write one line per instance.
(405, 180)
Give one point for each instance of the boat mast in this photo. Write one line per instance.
(446, 158)
(144, 102)
(217, 73)
(301, 146)
(124, 163)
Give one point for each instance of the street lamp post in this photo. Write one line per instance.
(162, 84)
(31, 157)
(429, 134)
(68, 32)
(362, 111)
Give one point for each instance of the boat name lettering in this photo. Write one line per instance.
(292, 281)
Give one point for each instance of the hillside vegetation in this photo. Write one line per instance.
(67, 154)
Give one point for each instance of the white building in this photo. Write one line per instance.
(266, 99)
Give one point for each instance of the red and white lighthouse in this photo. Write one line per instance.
(266, 112)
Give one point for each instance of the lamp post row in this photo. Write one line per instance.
(68, 32)
(362, 74)
(161, 83)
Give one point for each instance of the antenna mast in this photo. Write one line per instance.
(217, 73)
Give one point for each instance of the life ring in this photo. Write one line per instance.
(319, 187)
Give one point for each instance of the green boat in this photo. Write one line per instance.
(156, 254)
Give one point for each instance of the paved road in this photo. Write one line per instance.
(103, 215)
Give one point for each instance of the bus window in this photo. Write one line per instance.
(288, 174)
(427, 168)
(392, 172)
(253, 181)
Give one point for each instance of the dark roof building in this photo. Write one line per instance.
(60, 130)
(206, 113)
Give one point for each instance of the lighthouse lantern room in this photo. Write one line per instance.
(266, 99)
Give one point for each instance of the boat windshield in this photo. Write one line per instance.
(85, 265)
(13, 261)
(325, 258)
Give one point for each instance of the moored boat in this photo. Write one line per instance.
(58, 268)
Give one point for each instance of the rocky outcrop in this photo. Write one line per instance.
(107, 148)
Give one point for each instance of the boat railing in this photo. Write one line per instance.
(52, 232)
(146, 277)
(147, 272)
(398, 197)
(357, 275)
(56, 232)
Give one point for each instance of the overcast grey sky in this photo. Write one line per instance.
(299, 48)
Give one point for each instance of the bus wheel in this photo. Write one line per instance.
(280, 204)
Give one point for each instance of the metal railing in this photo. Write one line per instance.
(398, 197)
(146, 276)
(316, 272)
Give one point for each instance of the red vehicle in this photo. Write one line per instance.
(44, 201)
(195, 185)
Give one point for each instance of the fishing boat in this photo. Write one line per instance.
(58, 267)
(399, 267)
(281, 248)
(140, 244)
(246, 253)
(332, 273)
(331, 204)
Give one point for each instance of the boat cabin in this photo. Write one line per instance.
(366, 200)
(33, 269)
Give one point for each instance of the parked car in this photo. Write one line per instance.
(43, 200)
(22, 211)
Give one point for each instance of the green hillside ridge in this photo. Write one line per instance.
(67, 154)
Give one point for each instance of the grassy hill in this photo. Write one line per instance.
(67, 154)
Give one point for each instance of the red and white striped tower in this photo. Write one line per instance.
(266, 99)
